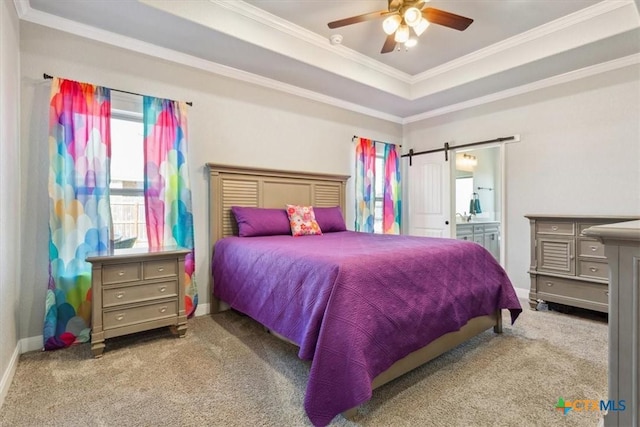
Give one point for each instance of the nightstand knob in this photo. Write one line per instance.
(119, 295)
(162, 288)
(594, 248)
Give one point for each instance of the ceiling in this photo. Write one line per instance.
(511, 47)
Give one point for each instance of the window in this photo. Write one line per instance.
(127, 179)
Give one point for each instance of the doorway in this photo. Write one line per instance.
(477, 186)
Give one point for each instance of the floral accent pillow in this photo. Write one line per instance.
(302, 220)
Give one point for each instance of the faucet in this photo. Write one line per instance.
(465, 217)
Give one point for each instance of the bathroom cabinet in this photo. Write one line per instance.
(486, 234)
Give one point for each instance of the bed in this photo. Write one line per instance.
(363, 308)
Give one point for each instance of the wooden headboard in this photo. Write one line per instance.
(265, 188)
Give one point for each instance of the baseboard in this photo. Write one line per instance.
(522, 293)
(203, 309)
(31, 344)
(7, 376)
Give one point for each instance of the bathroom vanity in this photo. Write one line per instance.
(485, 233)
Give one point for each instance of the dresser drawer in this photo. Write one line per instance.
(121, 273)
(137, 293)
(593, 269)
(556, 227)
(160, 268)
(130, 316)
(590, 248)
(568, 290)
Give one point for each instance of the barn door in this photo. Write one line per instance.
(429, 196)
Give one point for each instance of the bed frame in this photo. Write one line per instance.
(267, 188)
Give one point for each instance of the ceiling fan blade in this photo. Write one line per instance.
(356, 19)
(447, 19)
(389, 44)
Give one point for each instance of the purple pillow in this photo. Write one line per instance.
(261, 221)
(330, 219)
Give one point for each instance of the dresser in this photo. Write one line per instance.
(134, 290)
(567, 266)
(622, 249)
(486, 234)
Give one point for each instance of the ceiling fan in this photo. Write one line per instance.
(403, 15)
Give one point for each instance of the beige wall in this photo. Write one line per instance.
(230, 122)
(9, 192)
(579, 152)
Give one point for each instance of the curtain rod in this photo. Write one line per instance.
(48, 77)
(447, 147)
(381, 142)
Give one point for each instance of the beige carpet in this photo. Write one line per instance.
(228, 372)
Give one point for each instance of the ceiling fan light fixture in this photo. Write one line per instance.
(411, 42)
(391, 24)
(421, 27)
(412, 16)
(402, 34)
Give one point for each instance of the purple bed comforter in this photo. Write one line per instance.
(357, 302)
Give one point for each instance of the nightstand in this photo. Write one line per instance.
(135, 290)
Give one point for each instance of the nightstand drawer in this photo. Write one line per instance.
(121, 273)
(556, 227)
(160, 268)
(571, 290)
(137, 293)
(133, 315)
(594, 269)
(590, 248)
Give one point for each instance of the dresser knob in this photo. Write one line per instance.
(162, 288)
(119, 295)
(163, 309)
(554, 227)
(606, 293)
(120, 317)
(594, 248)
(160, 269)
(121, 273)
(593, 269)
(549, 283)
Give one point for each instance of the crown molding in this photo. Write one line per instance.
(520, 90)
(135, 45)
(275, 22)
(26, 13)
(22, 7)
(539, 32)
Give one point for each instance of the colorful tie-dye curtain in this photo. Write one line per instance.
(80, 215)
(166, 184)
(365, 178)
(391, 204)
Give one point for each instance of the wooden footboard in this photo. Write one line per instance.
(475, 326)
